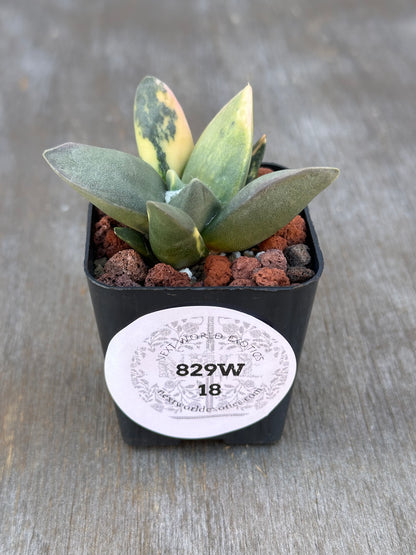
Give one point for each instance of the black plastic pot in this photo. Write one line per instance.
(286, 309)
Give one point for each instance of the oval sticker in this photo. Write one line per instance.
(198, 371)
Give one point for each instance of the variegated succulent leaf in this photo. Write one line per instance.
(212, 197)
(117, 183)
(173, 181)
(198, 202)
(264, 206)
(222, 155)
(173, 235)
(257, 156)
(163, 136)
(136, 241)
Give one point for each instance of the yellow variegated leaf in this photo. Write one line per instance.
(222, 155)
(163, 137)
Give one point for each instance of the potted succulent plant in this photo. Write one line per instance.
(179, 205)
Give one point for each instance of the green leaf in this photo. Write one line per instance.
(257, 156)
(264, 206)
(117, 183)
(136, 241)
(163, 137)
(221, 156)
(173, 181)
(198, 202)
(173, 236)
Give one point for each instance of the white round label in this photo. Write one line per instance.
(198, 371)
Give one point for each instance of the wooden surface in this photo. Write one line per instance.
(334, 84)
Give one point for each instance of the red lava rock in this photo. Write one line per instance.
(263, 171)
(241, 282)
(217, 270)
(113, 244)
(126, 268)
(299, 274)
(164, 275)
(244, 266)
(101, 228)
(291, 234)
(268, 277)
(294, 232)
(106, 241)
(273, 242)
(273, 258)
(127, 263)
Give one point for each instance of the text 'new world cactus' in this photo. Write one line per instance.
(178, 200)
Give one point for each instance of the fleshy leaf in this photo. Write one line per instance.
(174, 237)
(136, 241)
(173, 181)
(163, 137)
(198, 202)
(264, 206)
(257, 156)
(117, 183)
(222, 155)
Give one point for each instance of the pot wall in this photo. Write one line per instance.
(286, 309)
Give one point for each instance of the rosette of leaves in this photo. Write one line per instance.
(178, 201)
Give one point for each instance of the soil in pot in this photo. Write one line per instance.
(280, 261)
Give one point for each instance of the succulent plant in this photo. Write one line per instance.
(177, 200)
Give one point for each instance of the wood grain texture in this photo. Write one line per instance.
(334, 83)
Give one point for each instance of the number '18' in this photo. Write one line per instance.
(214, 389)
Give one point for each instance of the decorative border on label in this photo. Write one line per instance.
(198, 371)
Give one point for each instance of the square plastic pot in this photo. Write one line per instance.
(286, 309)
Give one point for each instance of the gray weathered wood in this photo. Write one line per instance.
(334, 83)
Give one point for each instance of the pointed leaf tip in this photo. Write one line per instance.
(116, 182)
(265, 205)
(197, 201)
(173, 181)
(222, 155)
(173, 236)
(257, 156)
(136, 241)
(163, 136)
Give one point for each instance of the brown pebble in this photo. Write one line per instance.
(294, 232)
(273, 242)
(101, 228)
(106, 241)
(113, 244)
(299, 274)
(263, 171)
(217, 270)
(273, 258)
(241, 282)
(164, 275)
(126, 262)
(244, 266)
(269, 277)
